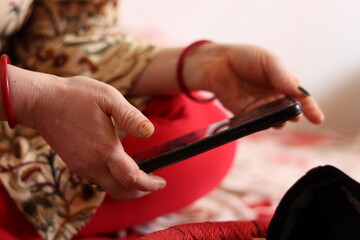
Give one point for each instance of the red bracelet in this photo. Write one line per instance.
(180, 68)
(5, 60)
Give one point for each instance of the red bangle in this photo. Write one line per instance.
(180, 68)
(5, 60)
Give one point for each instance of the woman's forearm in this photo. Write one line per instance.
(159, 77)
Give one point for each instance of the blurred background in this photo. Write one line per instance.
(318, 40)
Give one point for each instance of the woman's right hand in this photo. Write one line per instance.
(75, 116)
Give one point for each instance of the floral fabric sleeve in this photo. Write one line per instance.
(13, 13)
(56, 201)
(80, 37)
(66, 38)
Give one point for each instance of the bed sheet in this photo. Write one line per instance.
(267, 164)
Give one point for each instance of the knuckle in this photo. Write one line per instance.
(130, 178)
(106, 153)
(106, 92)
(111, 92)
(126, 174)
(129, 115)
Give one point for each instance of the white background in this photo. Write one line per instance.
(319, 40)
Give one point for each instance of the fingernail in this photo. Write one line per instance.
(159, 181)
(302, 90)
(146, 128)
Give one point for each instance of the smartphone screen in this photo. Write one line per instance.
(217, 134)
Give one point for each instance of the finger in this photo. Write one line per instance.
(282, 79)
(286, 83)
(279, 126)
(126, 172)
(310, 107)
(263, 99)
(311, 110)
(295, 119)
(132, 121)
(103, 174)
(117, 190)
(282, 125)
(128, 118)
(279, 76)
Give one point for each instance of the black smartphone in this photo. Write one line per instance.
(217, 134)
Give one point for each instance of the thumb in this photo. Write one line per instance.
(129, 118)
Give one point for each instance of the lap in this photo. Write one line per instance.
(187, 181)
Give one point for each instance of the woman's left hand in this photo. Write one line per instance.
(244, 76)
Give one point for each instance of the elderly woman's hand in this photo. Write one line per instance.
(243, 76)
(76, 117)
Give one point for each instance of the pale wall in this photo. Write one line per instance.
(318, 39)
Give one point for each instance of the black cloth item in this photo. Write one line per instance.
(323, 204)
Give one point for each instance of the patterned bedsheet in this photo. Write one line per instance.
(267, 164)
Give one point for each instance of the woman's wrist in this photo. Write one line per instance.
(25, 89)
(206, 62)
(197, 66)
(159, 77)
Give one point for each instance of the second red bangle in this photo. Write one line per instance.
(180, 69)
(5, 60)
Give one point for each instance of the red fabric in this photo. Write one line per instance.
(212, 230)
(186, 181)
(13, 224)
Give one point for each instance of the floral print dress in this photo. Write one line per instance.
(66, 38)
